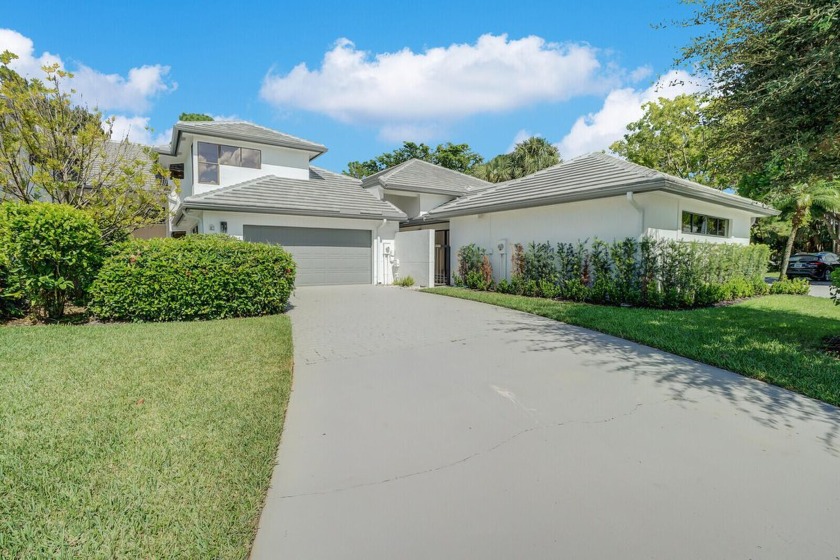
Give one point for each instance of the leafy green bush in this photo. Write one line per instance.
(646, 272)
(197, 277)
(793, 287)
(406, 282)
(12, 303)
(51, 252)
(474, 269)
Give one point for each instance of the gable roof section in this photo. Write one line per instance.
(242, 131)
(323, 194)
(593, 176)
(416, 175)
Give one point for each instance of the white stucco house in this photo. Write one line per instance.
(260, 185)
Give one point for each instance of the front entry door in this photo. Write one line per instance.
(442, 256)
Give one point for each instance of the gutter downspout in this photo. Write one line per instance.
(379, 259)
(634, 203)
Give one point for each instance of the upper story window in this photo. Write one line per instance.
(211, 156)
(704, 225)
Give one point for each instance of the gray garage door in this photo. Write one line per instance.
(323, 256)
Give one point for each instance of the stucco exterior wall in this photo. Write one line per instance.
(606, 219)
(283, 162)
(416, 255)
(382, 234)
(659, 215)
(663, 218)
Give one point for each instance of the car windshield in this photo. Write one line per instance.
(804, 258)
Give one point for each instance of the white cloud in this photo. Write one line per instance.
(137, 130)
(410, 132)
(596, 131)
(440, 85)
(108, 92)
(520, 136)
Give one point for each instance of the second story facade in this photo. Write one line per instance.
(206, 156)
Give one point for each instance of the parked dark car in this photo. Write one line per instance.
(817, 266)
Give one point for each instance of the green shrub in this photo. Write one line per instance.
(406, 282)
(12, 303)
(474, 269)
(646, 272)
(51, 252)
(197, 277)
(794, 287)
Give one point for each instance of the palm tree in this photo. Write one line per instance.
(532, 155)
(800, 203)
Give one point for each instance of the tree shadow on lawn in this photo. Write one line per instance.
(770, 405)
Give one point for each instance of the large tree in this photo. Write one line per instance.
(774, 68)
(52, 150)
(529, 156)
(674, 137)
(459, 157)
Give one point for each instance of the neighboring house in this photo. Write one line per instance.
(259, 185)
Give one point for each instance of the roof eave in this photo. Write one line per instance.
(655, 184)
(316, 149)
(424, 190)
(204, 205)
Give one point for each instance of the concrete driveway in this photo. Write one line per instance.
(427, 427)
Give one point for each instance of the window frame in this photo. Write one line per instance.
(710, 226)
(217, 164)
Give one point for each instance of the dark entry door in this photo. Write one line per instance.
(442, 256)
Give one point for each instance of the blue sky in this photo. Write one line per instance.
(361, 79)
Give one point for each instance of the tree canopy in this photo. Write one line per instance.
(194, 117)
(773, 67)
(674, 137)
(529, 156)
(54, 151)
(458, 157)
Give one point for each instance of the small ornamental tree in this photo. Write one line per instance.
(52, 253)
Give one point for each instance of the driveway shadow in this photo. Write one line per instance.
(683, 379)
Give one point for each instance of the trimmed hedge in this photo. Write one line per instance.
(647, 272)
(49, 254)
(196, 277)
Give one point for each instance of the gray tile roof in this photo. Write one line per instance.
(588, 177)
(324, 194)
(421, 176)
(243, 131)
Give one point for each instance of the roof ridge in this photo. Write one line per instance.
(342, 175)
(646, 172)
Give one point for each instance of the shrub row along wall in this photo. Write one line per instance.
(197, 277)
(646, 272)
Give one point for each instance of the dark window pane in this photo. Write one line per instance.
(176, 170)
(229, 155)
(251, 158)
(686, 222)
(208, 173)
(699, 224)
(208, 153)
(715, 226)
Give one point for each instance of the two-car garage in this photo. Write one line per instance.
(324, 256)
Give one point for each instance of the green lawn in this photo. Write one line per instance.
(139, 440)
(773, 338)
